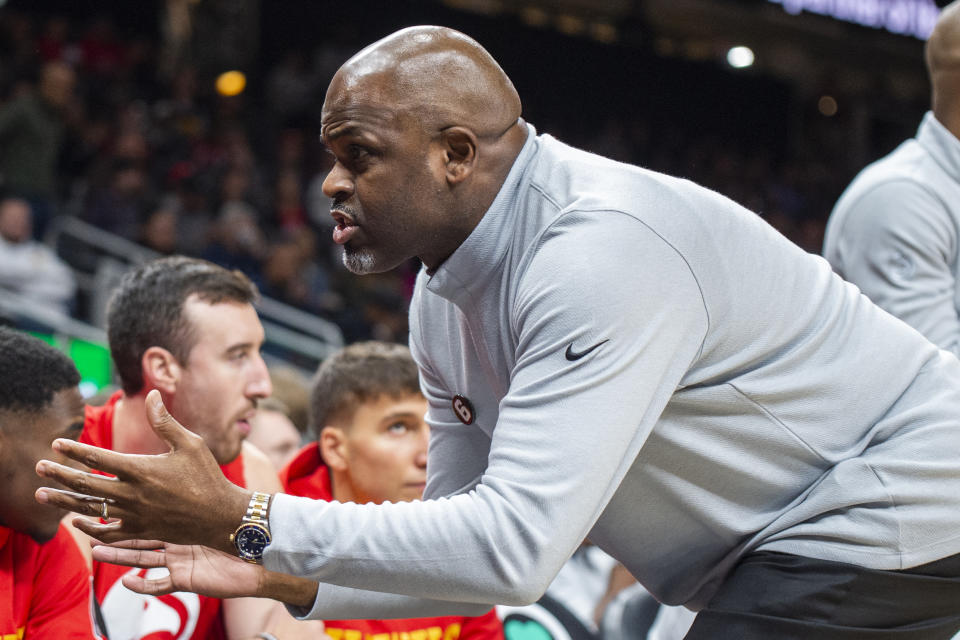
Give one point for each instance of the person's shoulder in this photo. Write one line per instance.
(885, 196)
(908, 167)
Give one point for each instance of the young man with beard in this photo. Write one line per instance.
(368, 413)
(187, 328)
(44, 581)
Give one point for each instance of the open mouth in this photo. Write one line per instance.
(345, 228)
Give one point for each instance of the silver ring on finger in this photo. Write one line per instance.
(104, 513)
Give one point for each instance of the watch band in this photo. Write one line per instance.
(257, 509)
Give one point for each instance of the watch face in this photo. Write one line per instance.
(251, 540)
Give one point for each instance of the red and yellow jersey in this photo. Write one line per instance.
(44, 588)
(130, 615)
(307, 476)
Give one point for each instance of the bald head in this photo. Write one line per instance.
(943, 63)
(441, 76)
(425, 127)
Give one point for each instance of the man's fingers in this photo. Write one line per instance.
(164, 424)
(146, 545)
(129, 557)
(119, 464)
(109, 533)
(83, 483)
(158, 587)
(83, 504)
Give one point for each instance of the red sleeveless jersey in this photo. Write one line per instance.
(307, 476)
(130, 615)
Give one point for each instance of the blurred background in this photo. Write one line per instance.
(132, 129)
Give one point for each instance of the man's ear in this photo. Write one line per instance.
(160, 370)
(460, 152)
(333, 448)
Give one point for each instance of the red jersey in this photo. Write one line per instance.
(133, 616)
(307, 476)
(44, 588)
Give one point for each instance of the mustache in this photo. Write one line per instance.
(342, 207)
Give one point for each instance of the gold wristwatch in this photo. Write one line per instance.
(252, 537)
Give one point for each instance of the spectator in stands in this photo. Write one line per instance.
(30, 268)
(159, 232)
(31, 132)
(289, 213)
(238, 241)
(291, 274)
(44, 581)
(118, 206)
(195, 219)
(368, 412)
(274, 433)
(187, 328)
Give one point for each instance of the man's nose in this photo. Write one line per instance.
(338, 184)
(259, 385)
(421, 458)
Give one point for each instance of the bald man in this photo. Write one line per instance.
(895, 232)
(607, 352)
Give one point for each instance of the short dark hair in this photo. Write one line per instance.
(146, 310)
(357, 374)
(31, 372)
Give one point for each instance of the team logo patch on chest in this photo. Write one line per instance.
(464, 409)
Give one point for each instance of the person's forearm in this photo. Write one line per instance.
(297, 592)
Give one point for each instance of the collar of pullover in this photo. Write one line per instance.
(469, 267)
(941, 144)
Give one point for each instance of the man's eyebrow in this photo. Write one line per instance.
(397, 415)
(242, 346)
(340, 132)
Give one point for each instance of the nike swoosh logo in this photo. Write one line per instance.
(571, 355)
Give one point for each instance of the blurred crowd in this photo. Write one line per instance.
(97, 125)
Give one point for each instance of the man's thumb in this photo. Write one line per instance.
(162, 422)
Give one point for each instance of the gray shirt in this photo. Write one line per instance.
(895, 233)
(648, 364)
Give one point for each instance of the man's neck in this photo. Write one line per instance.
(132, 432)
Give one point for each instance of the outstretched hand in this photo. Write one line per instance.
(180, 497)
(203, 570)
(192, 568)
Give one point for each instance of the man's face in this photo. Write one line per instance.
(25, 439)
(387, 185)
(223, 377)
(16, 221)
(385, 449)
(56, 85)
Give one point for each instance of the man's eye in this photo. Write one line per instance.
(358, 153)
(72, 432)
(397, 427)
